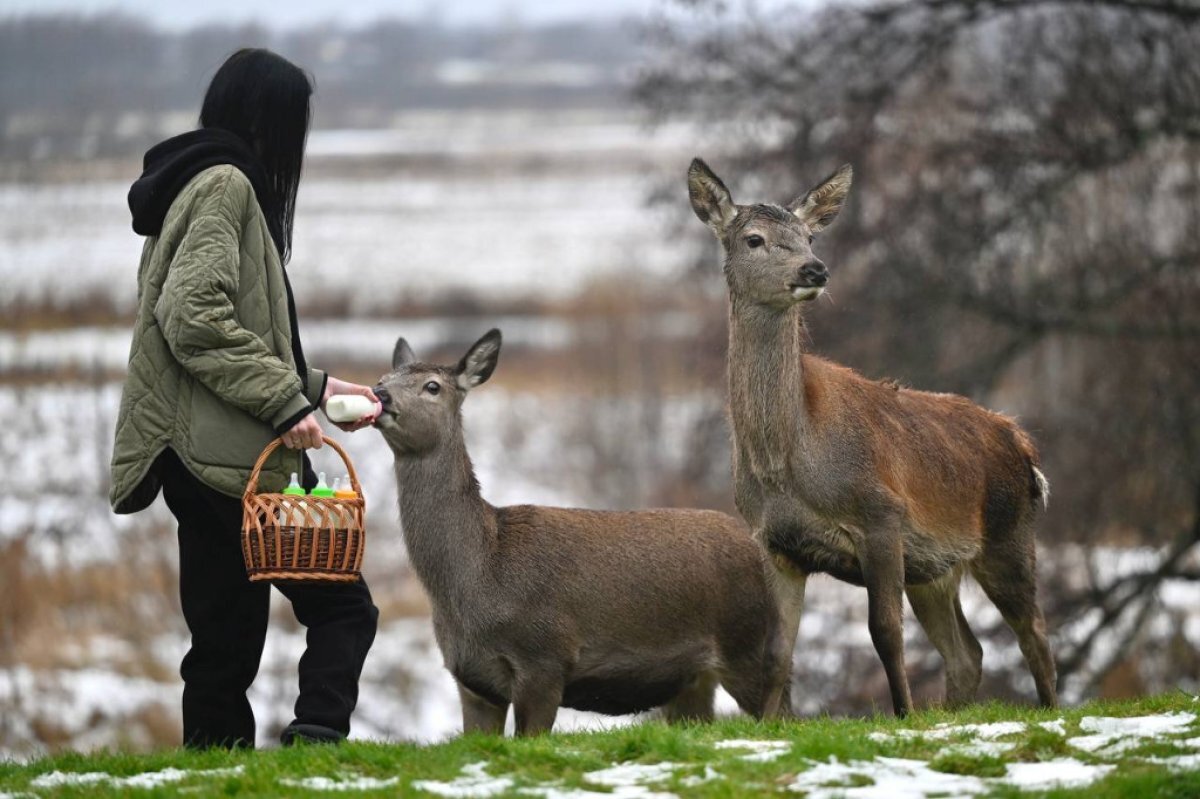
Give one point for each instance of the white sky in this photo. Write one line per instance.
(290, 13)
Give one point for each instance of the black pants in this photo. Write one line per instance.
(227, 617)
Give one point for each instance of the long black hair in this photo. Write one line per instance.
(264, 99)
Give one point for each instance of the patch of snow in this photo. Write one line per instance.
(631, 774)
(346, 784)
(56, 779)
(760, 751)
(1060, 773)
(988, 732)
(898, 778)
(710, 774)
(1116, 735)
(945, 731)
(891, 778)
(474, 783)
(1058, 725)
(980, 748)
(1177, 762)
(624, 792)
(1144, 726)
(146, 779)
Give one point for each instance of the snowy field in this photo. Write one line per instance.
(369, 240)
(1072, 752)
(398, 229)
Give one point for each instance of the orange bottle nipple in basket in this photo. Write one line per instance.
(344, 489)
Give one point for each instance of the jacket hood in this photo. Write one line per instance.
(168, 166)
(166, 169)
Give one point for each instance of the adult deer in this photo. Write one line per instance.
(611, 611)
(896, 490)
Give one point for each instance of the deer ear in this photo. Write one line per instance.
(711, 201)
(479, 362)
(822, 204)
(402, 355)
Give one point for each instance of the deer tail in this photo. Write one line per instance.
(1039, 486)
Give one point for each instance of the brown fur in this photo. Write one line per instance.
(876, 484)
(610, 611)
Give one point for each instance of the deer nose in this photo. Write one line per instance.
(382, 393)
(815, 273)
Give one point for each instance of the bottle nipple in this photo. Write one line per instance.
(345, 489)
(294, 488)
(322, 488)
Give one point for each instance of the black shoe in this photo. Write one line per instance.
(309, 734)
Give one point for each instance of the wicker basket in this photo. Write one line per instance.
(305, 538)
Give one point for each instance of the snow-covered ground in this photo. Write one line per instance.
(878, 778)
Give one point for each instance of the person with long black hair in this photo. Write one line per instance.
(216, 371)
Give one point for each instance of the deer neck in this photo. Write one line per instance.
(449, 529)
(766, 381)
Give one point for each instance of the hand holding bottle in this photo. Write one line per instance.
(335, 387)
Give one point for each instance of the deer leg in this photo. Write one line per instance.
(536, 699)
(881, 554)
(694, 702)
(756, 676)
(479, 715)
(1008, 575)
(939, 611)
(788, 585)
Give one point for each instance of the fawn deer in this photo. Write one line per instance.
(896, 490)
(538, 607)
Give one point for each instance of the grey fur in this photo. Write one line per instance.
(547, 607)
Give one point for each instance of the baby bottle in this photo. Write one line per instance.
(289, 519)
(324, 511)
(350, 407)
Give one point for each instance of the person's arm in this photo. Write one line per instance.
(316, 392)
(196, 313)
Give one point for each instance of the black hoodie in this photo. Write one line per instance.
(167, 168)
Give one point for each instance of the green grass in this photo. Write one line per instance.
(564, 759)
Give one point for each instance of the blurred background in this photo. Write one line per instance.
(1024, 228)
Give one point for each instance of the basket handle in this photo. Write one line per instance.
(252, 484)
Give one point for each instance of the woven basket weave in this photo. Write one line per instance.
(302, 538)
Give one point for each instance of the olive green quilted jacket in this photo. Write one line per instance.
(211, 372)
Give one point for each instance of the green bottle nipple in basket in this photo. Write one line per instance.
(321, 489)
(326, 515)
(296, 517)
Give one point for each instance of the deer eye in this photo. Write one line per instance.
(433, 387)
(811, 238)
(755, 241)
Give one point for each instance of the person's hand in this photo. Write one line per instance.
(334, 386)
(304, 434)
